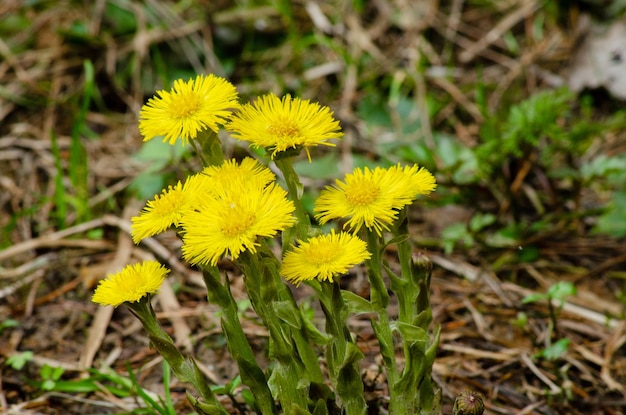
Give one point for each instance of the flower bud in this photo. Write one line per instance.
(468, 403)
(421, 261)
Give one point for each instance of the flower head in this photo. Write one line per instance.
(230, 173)
(281, 124)
(190, 107)
(130, 284)
(233, 216)
(373, 197)
(323, 257)
(167, 209)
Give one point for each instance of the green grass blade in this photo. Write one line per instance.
(78, 167)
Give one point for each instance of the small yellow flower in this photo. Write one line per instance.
(323, 257)
(231, 218)
(167, 209)
(281, 124)
(199, 104)
(130, 284)
(373, 198)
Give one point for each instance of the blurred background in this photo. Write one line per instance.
(516, 106)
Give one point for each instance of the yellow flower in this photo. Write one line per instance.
(168, 208)
(199, 104)
(130, 284)
(247, 173)
(323, 257)
(373, 198)
(230, 219)
(278, 125)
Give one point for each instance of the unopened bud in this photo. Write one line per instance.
(422, 267)
(422, 262)
(468, 403)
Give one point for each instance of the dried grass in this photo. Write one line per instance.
(46, 274)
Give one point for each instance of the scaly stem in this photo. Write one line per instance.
(405, 288)
(295, 192)
(289, 379)
(184, 369)
(342, 355)
(238, 345)
(382, 328)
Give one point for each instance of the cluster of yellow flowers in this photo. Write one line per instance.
(227, 209)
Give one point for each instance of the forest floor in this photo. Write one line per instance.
(491, 340)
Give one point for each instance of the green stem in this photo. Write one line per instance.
(380, 299)
(289, 375)
(238, 345)
(295, 189)
(412, 288)
(184, 369)
(409, 290)
(342, 355)
(282, 296)
(196, 146)
(422, 269)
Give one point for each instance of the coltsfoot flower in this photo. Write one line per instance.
(188, 108)
(282, 124)
(167, 209)
(323, 257)
(231, 174)
(373, 198)
(231, 217)
(130, 284)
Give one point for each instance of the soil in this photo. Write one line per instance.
(490, 339)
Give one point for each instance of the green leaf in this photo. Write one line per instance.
(47, 385)
(142, 393)
(160, 152)
(532, 298)
(374, 111)
(119, 20)
(156, 155)
(602, 166)
(561, 290)
(528, 253)
(502, 238)
(70, 386)
(612, 222)
(556, 350)
(480, 221)
(8, 323)
(349, 383)
(453, 234)
(356, 303)
(325, 167)
(313, 334)
(18, 360)
(48, 372)
(284, 310)
(320, 408)
(411, 333)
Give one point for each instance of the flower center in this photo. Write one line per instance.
(323, 253)
(169, 203)
(236, 222)
(284, 129)
(185, 106)
(362, 194)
